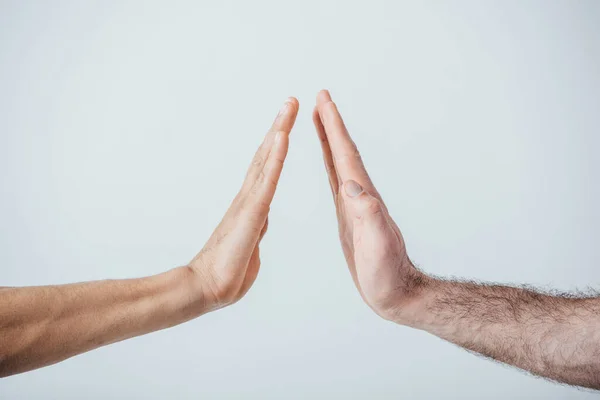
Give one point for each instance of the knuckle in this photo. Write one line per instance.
(237, 200)
(261, 209)
(326, 110)
(278, 161)
(373, 206)
(257, 160)
(254, 190)
(256, 210)
(351, 156)
(261, 177)
(264, 178)
(330, 105)
(272, 180)
(370, 205)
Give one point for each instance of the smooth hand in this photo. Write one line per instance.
(372, 243)
(229, 262)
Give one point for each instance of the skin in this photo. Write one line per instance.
(554, 336)
(43, 325)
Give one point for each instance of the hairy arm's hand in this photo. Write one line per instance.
(557, 337)
(43, 325)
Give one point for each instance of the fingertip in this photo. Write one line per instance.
(293, 102)
(324, 103)
(325, 94)
(323, 97)
(328, 112)
(286, 117)
(316, 116)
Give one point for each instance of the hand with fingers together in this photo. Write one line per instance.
(371, 241)
(554, 336)
(43, 325)
(550, 335)
(229, 262)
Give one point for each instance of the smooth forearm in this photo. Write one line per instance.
(557, 337)
(43, 325)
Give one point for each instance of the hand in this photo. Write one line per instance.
(229, 262)
(372, 243)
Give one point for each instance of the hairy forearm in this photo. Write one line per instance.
(555, 336)
(43, 325)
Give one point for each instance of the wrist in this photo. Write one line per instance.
(189, 298)
(414, 309)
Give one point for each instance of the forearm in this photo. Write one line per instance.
(551, 336)
(43, 325)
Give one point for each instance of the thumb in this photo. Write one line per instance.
(361, 205)
(376, 246)
(373, 237)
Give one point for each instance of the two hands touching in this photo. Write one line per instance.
(372, 243)
(554, 336)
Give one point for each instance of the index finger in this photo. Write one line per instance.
(346, 156)
(283, 123)
(261, 182)
(334, 180)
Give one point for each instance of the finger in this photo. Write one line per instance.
(369, 216)
(346, 157)
(264, 187)
(360, 204)
(375, 242)
(344, 151)
(253, 202)
(255, 207)
(283, 122)
(334, 182)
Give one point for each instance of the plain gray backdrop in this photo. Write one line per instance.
(126, 129)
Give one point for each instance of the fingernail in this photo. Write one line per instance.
(352, 188)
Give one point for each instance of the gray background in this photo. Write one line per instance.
(126, 129)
